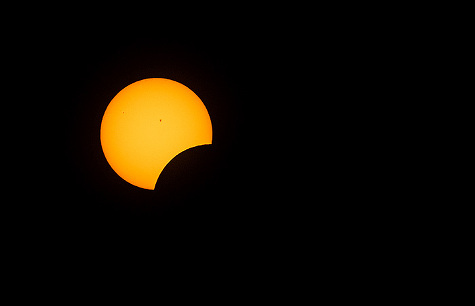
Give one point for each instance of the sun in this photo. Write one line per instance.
(147, 124)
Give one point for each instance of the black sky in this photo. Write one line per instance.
(210, 186)
(301, 176)
(261, 87)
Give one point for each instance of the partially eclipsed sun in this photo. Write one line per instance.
(147, 124)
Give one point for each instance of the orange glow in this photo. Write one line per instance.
(147, 124)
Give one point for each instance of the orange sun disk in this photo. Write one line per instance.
(147, 124)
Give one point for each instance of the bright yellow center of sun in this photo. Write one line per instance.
(147, 124)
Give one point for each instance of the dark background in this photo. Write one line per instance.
(274, 91)
(217, 208)
(260, 189)
(287, 187)
(267, 87)
(228, 189)
(296, 177)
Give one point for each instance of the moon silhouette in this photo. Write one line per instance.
(147, 124)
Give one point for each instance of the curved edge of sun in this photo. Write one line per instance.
(168, 162)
